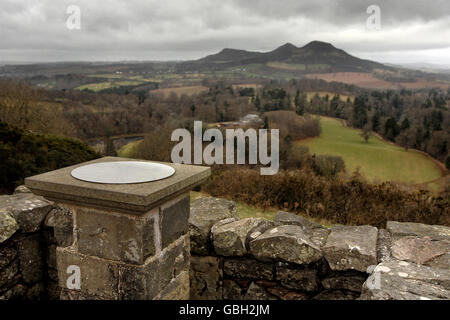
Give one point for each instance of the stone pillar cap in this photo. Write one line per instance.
(138, 198)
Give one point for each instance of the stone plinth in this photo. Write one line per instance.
(128, 241)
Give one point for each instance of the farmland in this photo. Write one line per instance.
(188, 90)
(377, 160)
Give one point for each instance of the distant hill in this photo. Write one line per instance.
(316, 56)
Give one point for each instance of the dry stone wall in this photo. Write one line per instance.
(221, 257)
(292, 258)
(25, 251)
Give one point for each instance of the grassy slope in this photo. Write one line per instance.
(129, 150)
(244, 211)
(247, 211)
(377, 159)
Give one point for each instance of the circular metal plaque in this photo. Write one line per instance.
(122, 172)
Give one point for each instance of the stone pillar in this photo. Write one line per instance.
(128, 241)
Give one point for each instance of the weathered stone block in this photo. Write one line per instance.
(16, 292)
(299, 279)
(400, 280)
(256, 292)
(285, 243)
(174, 217)
(70, 295)
(344, 282)
(182, 261)
(116, 236)
(8, 226)
(336, 295)
(285, 294)
(36, 291)
(52, 273)
(50, 256)
(7, 274)
(99, 277)
(351, 248)
(419, 250)
(177, 289)
(230, 239)
(147, 281)
(206, 278)
(60, 219)
(31, 257)
(248, 269)
(231, 290)
(403, 229)
(440, 262)
(28, 210)
(7, 254)
(384, 243)
(53, 290)
(205, 212)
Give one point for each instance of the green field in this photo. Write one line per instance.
(107, 85)
(129, 150)
(378, 160)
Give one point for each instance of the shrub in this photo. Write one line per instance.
(328, 166)
(24, 154)
(352, 202)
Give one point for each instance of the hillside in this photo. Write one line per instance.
(23, 154)
(316, 56)
(377, 160)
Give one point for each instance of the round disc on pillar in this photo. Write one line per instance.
(123, 172)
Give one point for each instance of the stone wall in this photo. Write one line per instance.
(26, 257)
(128, 257)
(292, 258)
(223, 257)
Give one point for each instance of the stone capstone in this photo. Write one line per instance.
(419, 250)
(402, 229)
(205, 212)
(288, 243)
(28, 210)
(230, 239)
(8, 226)
(401, 280)
(351, 248)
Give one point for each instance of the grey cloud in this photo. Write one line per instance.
(180, 29)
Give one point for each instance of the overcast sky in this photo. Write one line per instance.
(35, 30)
